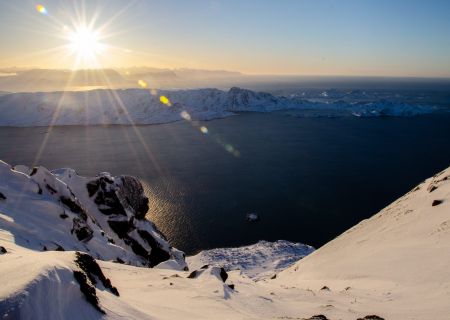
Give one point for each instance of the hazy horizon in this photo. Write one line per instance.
(293, 38)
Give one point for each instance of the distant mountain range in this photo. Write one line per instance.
(32, 80)
(143, 106)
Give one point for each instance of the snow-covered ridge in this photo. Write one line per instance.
(103, 215)
(142, 106)
(393, 265)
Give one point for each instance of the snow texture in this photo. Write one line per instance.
(391, 266)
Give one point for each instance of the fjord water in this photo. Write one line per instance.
(308, 178)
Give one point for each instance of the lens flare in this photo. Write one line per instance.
(185, 115)
(165, 100)
(142, 83)
(41, 9)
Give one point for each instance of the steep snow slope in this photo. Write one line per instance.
(141, 106)
(399, 258)
(392, 266)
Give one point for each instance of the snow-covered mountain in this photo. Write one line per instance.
(142, 106)
(391, 266)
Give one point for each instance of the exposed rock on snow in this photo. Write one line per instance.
(318, 317)
(217, 272)
(257, 261)
(93, 271)
(371, 317)
(140, 106)
(104, 216)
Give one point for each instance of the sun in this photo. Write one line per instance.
(85, 43)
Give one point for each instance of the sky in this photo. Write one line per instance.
(302, 37)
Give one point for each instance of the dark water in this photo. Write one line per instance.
(309, 179)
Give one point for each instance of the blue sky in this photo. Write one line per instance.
(365, 37)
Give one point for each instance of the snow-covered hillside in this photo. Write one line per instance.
(142, 106)
(103, 215)
(391, 266)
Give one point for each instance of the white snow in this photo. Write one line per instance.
(142, 106)
(258, 261)
(394, 265)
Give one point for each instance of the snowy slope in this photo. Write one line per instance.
(258, 261)
(104, 215)
(142, 106)
(398, 259)
(393, 266)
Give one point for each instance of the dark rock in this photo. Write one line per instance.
(33, 171)
(50, 189)
(92, 187)
(223, 274)
(318, 317)
(371, 317)
(106, 196)
(3, 250)
(2, 196)
(231, 286)
(139, 250)
(436, 202)
(118, 260)
(273, 277)
(133, 193)
(88, 290)
(325, 288)
(82, 230)
(93, 271)
(59, 248)
(431, 188)
(120, 227)
(63, 216)
(205, 266)
(157, 254)
(74, 207)
(193, 274)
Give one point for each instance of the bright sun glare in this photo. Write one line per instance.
(85, 43)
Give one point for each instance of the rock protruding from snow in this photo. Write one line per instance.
(257, 261)
(104, 215)
(93, 271)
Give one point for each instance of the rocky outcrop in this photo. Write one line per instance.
(104, 216)
(122, 202)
